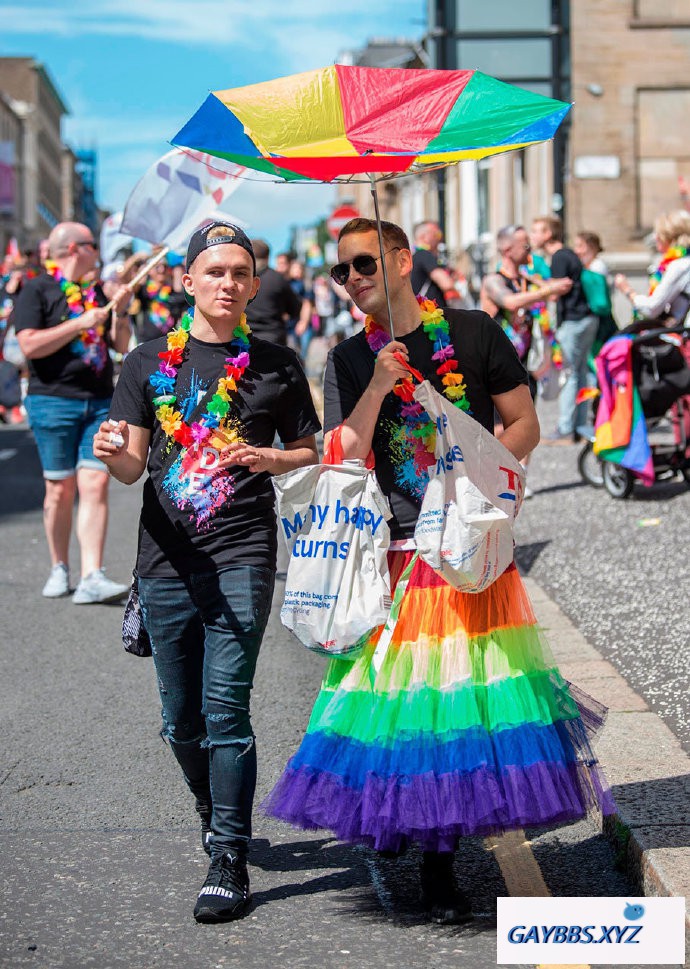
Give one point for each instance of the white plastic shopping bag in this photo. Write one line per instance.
(465, 526)
(334, 519)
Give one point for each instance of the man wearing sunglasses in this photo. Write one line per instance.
(66, 334)
(367, 718)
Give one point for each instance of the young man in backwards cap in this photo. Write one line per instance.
(200, 409)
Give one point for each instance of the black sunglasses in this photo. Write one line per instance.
(87, 242)
(364, 265)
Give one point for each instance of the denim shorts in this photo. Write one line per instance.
(63, 429)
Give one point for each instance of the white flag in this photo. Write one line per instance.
(112, 239)
(175, 195)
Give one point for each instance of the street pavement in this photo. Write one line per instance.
(99, 841)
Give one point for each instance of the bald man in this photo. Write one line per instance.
(66, 334)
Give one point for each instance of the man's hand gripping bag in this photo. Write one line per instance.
(465, 526)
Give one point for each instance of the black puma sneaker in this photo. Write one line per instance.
(225, 894)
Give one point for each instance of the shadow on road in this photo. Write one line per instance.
(309, 856)
(21, 478)
(527, 555)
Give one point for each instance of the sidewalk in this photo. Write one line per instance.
(642, 759)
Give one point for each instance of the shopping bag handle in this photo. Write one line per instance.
(403, 363)
(334, 452)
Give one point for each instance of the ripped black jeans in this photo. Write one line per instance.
(206, 631)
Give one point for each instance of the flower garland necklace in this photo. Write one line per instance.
(671, 254)
(89, 345)
(419, 427)
(159, 298)
(163, 382)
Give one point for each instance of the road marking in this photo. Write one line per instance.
(521, 872)
(519, 867)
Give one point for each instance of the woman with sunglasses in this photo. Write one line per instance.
(466, 728)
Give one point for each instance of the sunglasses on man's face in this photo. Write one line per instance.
(365, 265)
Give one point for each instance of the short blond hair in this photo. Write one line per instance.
(673, 228)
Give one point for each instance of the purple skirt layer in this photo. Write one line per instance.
(435, 811)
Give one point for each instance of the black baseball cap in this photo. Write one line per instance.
(201, 241)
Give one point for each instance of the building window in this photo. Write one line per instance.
(503, 15)
(483, 169)
(663, 150)
(663, 11)
(528, 57)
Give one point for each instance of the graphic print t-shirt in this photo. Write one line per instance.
(196, 518)
(489, 365)
(41, 305)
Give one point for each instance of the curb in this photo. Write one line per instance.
(641, 757)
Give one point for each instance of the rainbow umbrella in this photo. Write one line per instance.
(343, 123)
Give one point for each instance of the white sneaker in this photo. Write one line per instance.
(58, 582)
(96, 588)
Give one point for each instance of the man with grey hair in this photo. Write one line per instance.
(508, 296)
(66, 332)
(429, 279)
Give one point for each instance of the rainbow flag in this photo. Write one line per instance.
(621, 432)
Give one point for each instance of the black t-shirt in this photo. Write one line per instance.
(572, 306)
(195, 519)
(274, 304)
(148, 329)
(41, 305)
(489, 366)
(423, 264)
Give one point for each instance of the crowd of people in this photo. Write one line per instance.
(467, 727)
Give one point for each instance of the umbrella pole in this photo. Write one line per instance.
(383, 253)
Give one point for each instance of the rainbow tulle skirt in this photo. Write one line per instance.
(462, 726)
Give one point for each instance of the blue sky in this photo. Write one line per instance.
(132, 71)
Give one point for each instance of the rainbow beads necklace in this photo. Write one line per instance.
(217, 410)
(159, 298)
(90, 345)
(419, 427)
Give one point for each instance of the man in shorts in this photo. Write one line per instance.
(66, 334)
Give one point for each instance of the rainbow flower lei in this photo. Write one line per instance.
(671, 254)
(90, 345)
(163, 382)
(419, 428)
(159, 298)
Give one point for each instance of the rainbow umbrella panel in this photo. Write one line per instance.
(340, 122)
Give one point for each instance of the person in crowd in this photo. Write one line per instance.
(577, 326)
(283, 262)
(448, 736)
(162, 301)
(15, 273)
(669, 285)
(588, 249)
(508, 297)
(324, 303)
(275, 302)
(66, 332)
(301, 326)
(430, 279)
(200, 409)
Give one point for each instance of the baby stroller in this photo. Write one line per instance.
(659, 361)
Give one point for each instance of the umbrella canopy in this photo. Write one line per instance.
(338, 122)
